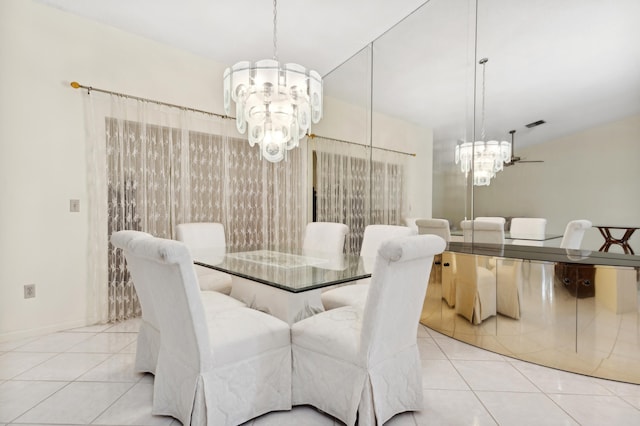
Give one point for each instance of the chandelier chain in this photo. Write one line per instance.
(482, 130)
(275, 34)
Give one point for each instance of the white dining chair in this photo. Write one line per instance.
(356, 294)
(490, 294)
(363, 361)
(438, 227)
(443, 274)
(482, 231)
(497, 219)
(214, 368)
(206, 236)
(574, 233)
(475, 289)
(148, 341)
(411, 223)
(528, 231)
(324, 237)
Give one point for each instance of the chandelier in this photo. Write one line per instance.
(277, 103)
(487, 157)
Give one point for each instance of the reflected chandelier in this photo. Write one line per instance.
(277, 103)
(487, 157)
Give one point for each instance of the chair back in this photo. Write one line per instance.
(483, 232)
(165, 269)
(201, 235)
(325, 237)
(498, 219)
(411, 223)
(375, 235)
(574, 233)
(396, 294)
(439, 227)
(528, 227)
(122, 240)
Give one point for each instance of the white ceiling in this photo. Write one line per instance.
(319, 34)
(573, 63)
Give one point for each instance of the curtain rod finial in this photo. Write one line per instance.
(75, 84)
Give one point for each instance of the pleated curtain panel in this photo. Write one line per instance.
(358, 186)
(152, 167)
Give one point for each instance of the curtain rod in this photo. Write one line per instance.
(313, 135)
(77, 85)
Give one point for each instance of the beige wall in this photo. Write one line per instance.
(592, 175)
(42, 149)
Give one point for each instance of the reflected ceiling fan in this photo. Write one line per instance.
(514, 158)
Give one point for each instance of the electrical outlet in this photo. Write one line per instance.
(29, 291)
(74, 206)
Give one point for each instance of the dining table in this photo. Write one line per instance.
(284, 283)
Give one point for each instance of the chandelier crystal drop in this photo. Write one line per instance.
(276, 103)
(487, 158)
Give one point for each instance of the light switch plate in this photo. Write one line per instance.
(74, 206)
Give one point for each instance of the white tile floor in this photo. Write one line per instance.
(85, 376)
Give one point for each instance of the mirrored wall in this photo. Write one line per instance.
(420, 89)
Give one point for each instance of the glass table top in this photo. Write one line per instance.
(508, 237)
(293, 271)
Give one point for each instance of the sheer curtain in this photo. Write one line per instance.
(356, 186)
(152, 167)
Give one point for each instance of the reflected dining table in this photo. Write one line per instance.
(287, 285)
(521, 240)
(609, 240)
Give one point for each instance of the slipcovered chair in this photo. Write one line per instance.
(475, 289)
(441, 228)
(356, 294)
(222, 367)
(497, 219)
(509, 281)
(528, 231)
(148, 341)
(438, 227)
(482, 231)
(353, 361)
(325, 237)
(206, 236)
(574, 233)
(411, 223)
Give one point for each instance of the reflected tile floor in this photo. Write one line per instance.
(85, 376)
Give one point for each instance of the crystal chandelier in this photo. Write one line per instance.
(277, 103)
(487, 157)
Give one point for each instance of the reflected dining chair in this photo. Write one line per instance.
(214, 367)
(574, 233)
(498, 284)
(324, 237)
(206, 236)
(363, 361)
(148, 340)
(482, 232)
(475, 289)
(528, 231)
(356, 294)
(441, 228)
(497, 219)
(411, 223)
